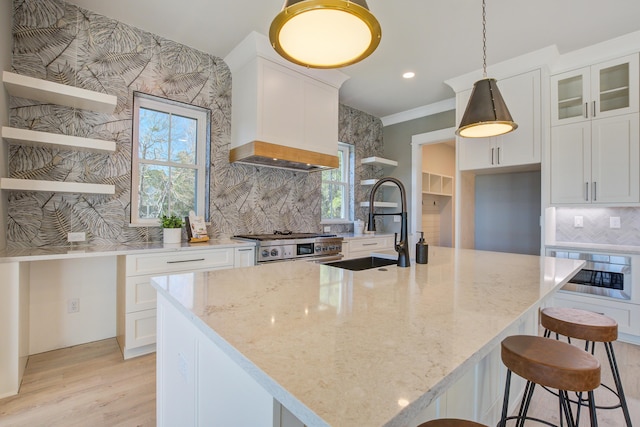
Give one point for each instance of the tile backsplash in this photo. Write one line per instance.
(596, 226)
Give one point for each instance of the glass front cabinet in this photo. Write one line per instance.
(601, 90)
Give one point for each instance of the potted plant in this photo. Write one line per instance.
(171, 229)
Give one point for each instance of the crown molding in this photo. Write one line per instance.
(418, 112)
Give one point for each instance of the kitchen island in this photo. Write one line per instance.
(382, 347)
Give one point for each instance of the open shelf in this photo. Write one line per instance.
(433, 183)
(378, 161)
(55, 186)
(379, 204)
(373, 181)
(56, 93)
(32, 137)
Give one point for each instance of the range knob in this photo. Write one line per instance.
(265, 253)
(317, 249)
(274, 252)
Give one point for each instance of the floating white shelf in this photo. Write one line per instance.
(373, 181)
(55, 186)
(56, 93)
(380, 161)
(32, 137)
(379, 204)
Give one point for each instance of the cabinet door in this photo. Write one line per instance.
(522, 146)
(571, 163)
(614, 87)
(244, 257)
(320, 117)
(570, 95)
(615, 158)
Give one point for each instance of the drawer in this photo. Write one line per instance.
(627, 315)
(140, 329)
(179, 261)
(371, 244)
(140, 295)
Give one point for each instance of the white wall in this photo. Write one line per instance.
(53, 283)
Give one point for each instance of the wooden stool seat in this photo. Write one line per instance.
(450, 422)
(551, 363)
(580, 324)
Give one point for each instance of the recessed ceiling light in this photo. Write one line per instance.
(409, 75)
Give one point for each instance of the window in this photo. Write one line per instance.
(337, 188)
(169, 159)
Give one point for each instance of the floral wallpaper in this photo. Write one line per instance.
(61, 42)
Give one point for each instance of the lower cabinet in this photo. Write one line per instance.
(136, 298)
(360, 247)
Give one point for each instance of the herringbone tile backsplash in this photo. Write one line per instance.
(596, 226)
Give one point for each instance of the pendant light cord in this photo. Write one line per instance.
(484, 39)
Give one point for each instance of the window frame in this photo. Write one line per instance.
(202, 117)
(348, 173)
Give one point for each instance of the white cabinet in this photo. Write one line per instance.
(601, 90)
(136, 298)
(520, 147)
(596, 162)
(364, 246)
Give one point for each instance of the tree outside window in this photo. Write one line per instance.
(169, 161)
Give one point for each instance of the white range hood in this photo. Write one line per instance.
(282, 115)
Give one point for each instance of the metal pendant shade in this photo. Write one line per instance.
(486, 114)
(325, 33)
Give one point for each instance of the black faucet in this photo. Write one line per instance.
(402, 246)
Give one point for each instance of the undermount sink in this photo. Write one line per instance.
(358, 264)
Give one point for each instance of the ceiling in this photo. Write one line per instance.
(437, 39)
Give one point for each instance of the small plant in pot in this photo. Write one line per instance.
(171, 229)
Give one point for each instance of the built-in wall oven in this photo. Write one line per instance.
(288, 246)
(604, 275)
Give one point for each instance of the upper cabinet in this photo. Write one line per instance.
(601, 90)
(520, 147)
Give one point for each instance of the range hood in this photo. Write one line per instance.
(282, 115)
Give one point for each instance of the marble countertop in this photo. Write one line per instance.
(370, 348)
(83, 251)
(596, 247)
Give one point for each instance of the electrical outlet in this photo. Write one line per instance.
(73, 305)
(77, 237)
(577, 222)
(614, 222)
(327, 228)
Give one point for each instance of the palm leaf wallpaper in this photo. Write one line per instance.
(61, 42)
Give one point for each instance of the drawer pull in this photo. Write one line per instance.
(185, 260)
(245, 250)
(369, 244)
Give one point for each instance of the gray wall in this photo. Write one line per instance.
(5, 64)
(507, 212)
(72, 45)
(397, 146)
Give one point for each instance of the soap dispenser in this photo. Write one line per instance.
(422, 250)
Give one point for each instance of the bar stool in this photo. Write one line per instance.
(450, 422)
(553, 364)
(590, 327)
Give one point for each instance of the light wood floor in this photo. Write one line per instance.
(90, 385)
(85, 385)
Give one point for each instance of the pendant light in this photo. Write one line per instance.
(486, 114)
(325, 33)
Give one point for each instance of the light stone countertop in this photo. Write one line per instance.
(596, 247)
(84, 250)
(343, 348)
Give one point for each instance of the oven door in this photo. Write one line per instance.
(324, 259)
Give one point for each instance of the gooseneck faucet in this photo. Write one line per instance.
(402, 246)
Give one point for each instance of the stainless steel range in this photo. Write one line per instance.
(288, 246)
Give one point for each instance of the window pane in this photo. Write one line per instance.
(183, 191)
(153, 191)
(183, 139)
(333, 201)
(153, 135)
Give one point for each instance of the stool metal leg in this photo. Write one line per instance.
(592, 410)
(505, 401)
(618, 382)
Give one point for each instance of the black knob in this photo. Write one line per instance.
(274, 252)
(317, 249)
(265, 253)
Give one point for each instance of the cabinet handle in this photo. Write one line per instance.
(586, 110)
(492, 155)
(595, 192)
(245, 250)
(586, 191)
(369, 244)
(594, 109)
(498, 159)
(185, 260)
